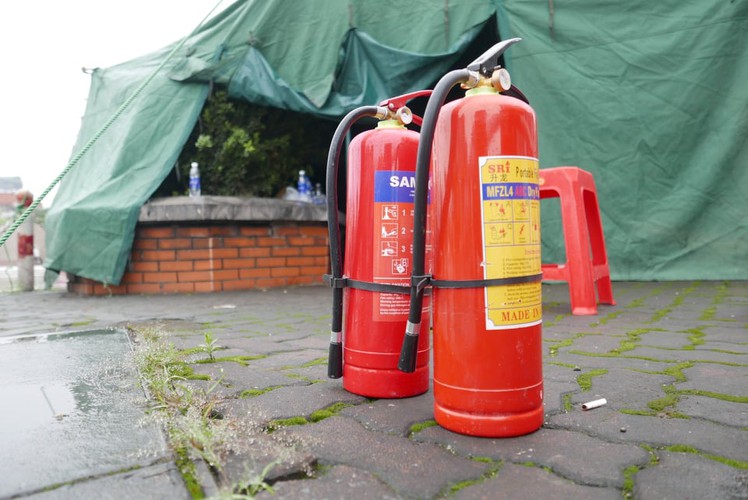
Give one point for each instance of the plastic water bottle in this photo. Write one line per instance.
(319, 197)
(304, 186)
(194, 180)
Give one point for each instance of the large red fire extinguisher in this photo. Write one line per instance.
(374, 278)
(483, 213)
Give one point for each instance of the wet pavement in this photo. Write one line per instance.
(671, 360)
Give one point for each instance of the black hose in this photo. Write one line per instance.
(407, 362)
(335, 356)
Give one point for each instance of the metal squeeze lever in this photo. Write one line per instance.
(396, 106)
(488, 61)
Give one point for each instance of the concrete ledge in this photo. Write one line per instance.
(229, 208)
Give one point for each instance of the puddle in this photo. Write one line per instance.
(71, 408)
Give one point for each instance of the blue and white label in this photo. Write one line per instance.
(393, 186)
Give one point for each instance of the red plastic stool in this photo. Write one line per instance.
(586, 260)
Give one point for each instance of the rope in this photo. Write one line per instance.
(20, 220)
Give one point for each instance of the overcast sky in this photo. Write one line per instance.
(43, 46)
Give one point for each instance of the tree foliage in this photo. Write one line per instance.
(249, 150)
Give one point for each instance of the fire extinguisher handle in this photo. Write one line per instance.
(399, 102)
(489, 60)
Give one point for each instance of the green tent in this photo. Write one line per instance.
(650, 98)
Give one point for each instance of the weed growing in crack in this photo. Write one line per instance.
(210, 346)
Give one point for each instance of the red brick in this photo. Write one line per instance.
(322, 261)
(211, 242)
(312, 270)
(314, 231)
(260, 272)
(205, 265)
(100, 289)
(141, 244)
(300, 241)
(305, 280)
(254, 231)
(132, 278)
(277, 272)
(286, 230)
(208, 286)
(207, 254)
(271, 262)
(230, 274)
(193, 232)
(254, 252)
(239, 285)
(143, 266)
(271, 242)
(285, 251)
(174, 243)
(175, 265)
(223, 230)
(144, 288)
(160, 277)
(240, 242)
(316, 250)
(270, 282)
(156, 232)
(301, 261)
(238, 263)
(151, 255)
(178, 287)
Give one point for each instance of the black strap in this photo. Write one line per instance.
(421, 282)
(366, 285)
(485, 283)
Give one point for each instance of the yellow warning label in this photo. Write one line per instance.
(510, 199)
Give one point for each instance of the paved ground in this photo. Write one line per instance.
(671, 359)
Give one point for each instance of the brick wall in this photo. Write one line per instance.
(178, 258)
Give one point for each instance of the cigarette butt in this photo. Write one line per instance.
(594, 404)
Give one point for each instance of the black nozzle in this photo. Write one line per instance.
(335, 360)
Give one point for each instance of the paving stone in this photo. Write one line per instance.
(592, 342)
(625, 360)
(266, 456)
(686, 475)
(668, 339)
(290, 359)
(259, 344)
(689, 355)
(624, 389)
(518, 481)
(242, 378)
(411, 469)
(341, 482)
(716, 410)
(572, 455)
(706, 436)
(287, 402)
(731, 380)
(393, 416)
(155, 481)
(729, 348)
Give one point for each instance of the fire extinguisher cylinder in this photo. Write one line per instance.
(483, 220)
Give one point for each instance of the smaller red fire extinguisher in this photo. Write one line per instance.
(374, 277)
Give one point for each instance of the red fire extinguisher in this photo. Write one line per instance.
(483, 213)
(375, 277)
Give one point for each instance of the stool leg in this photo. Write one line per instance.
(601, 269)
(576, 239)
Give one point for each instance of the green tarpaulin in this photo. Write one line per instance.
(650, 98)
